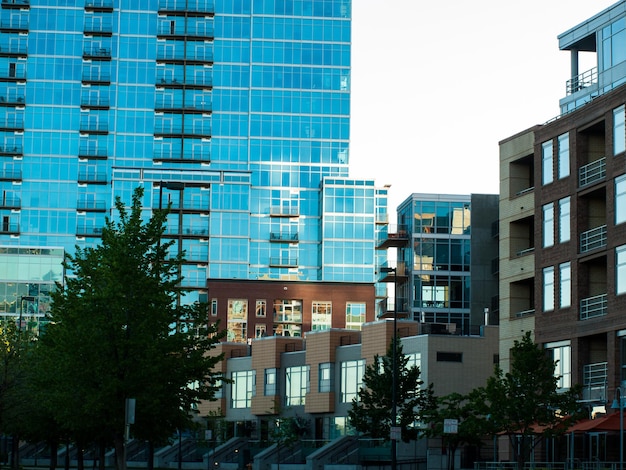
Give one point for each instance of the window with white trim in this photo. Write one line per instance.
(564, 220)
(565, 285)
(620, 199)
(563, 149)
(620, 269)
(548, 225)
(547, 163)
(548, 288)
(619, 130)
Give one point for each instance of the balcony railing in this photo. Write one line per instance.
(594, 382)
(15, 124)
(10, 202)
(165, 105)
(92, 153)
(10, 227)
(88, 230)
(11, 150)
(97, 53)
(581, 81)
(10, 175)
(94, 127)
(91, 177)
(189, 6)
(14, 24)
(285, 211)
(192, 157)
(592, 172)
(593, 239)
(181, 30)
(280, 262)
(593, 307)
(92, 206)
(180, 55)
(284, 237)
(98, 27)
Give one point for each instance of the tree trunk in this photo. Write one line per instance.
(15, 452)
(120, 452)
(54, 453)
(80, 457)
(102, 453)
(150, 455)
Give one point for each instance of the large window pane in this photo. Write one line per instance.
(619, 131)
(565, 285)
(242, 388)
(620, 199)
(563, 142)
(548, 289)
(620, 287)
(296, 385)
(547, 166)
(548, 225)
(351, 379)
(564, 220)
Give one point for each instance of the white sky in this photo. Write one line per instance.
(437, 84)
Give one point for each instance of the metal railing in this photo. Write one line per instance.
(593, 239)
(592, 172)
(581, 81)
(593, 307)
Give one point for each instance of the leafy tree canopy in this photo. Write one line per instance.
(117, 331)
(371, 413)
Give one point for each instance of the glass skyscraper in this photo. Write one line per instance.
(237, 112)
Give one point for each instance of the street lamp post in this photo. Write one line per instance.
(618, 404)
(394, 370)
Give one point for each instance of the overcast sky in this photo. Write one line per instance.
(437, 84)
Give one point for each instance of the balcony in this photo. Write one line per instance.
(203, 131)
(16, 4)
(593, 307)
(91, 177)
(98, 28)
(85, 205)
(10, 174)
(9, 228)
(186, 7)
(12, 125)
(182, 31)
(594, 382)
(592, 173)
(184, 157)
(99, 5)
(19, 50)
(13, 74)
(91, 153)
(10, 202)
(582, 81)
(201, 82)
(593, 239)
(14, 25)
(96, 78)
(395, 236)
(94, 127)
(97, 53)
(282, 262)
(164, 105)
(285, 211)
(183, 56)
(11, 151)
(284, 237)
(94, 102)
(88, 230)
(12, 101)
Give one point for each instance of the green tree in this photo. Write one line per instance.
(371, 413)
(526, 403)
(117, 332)
(471, 423)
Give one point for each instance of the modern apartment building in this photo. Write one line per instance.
(447, 252)
(315, 378)
(563, 226)
(237, 113)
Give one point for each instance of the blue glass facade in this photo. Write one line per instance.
(234, 111)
